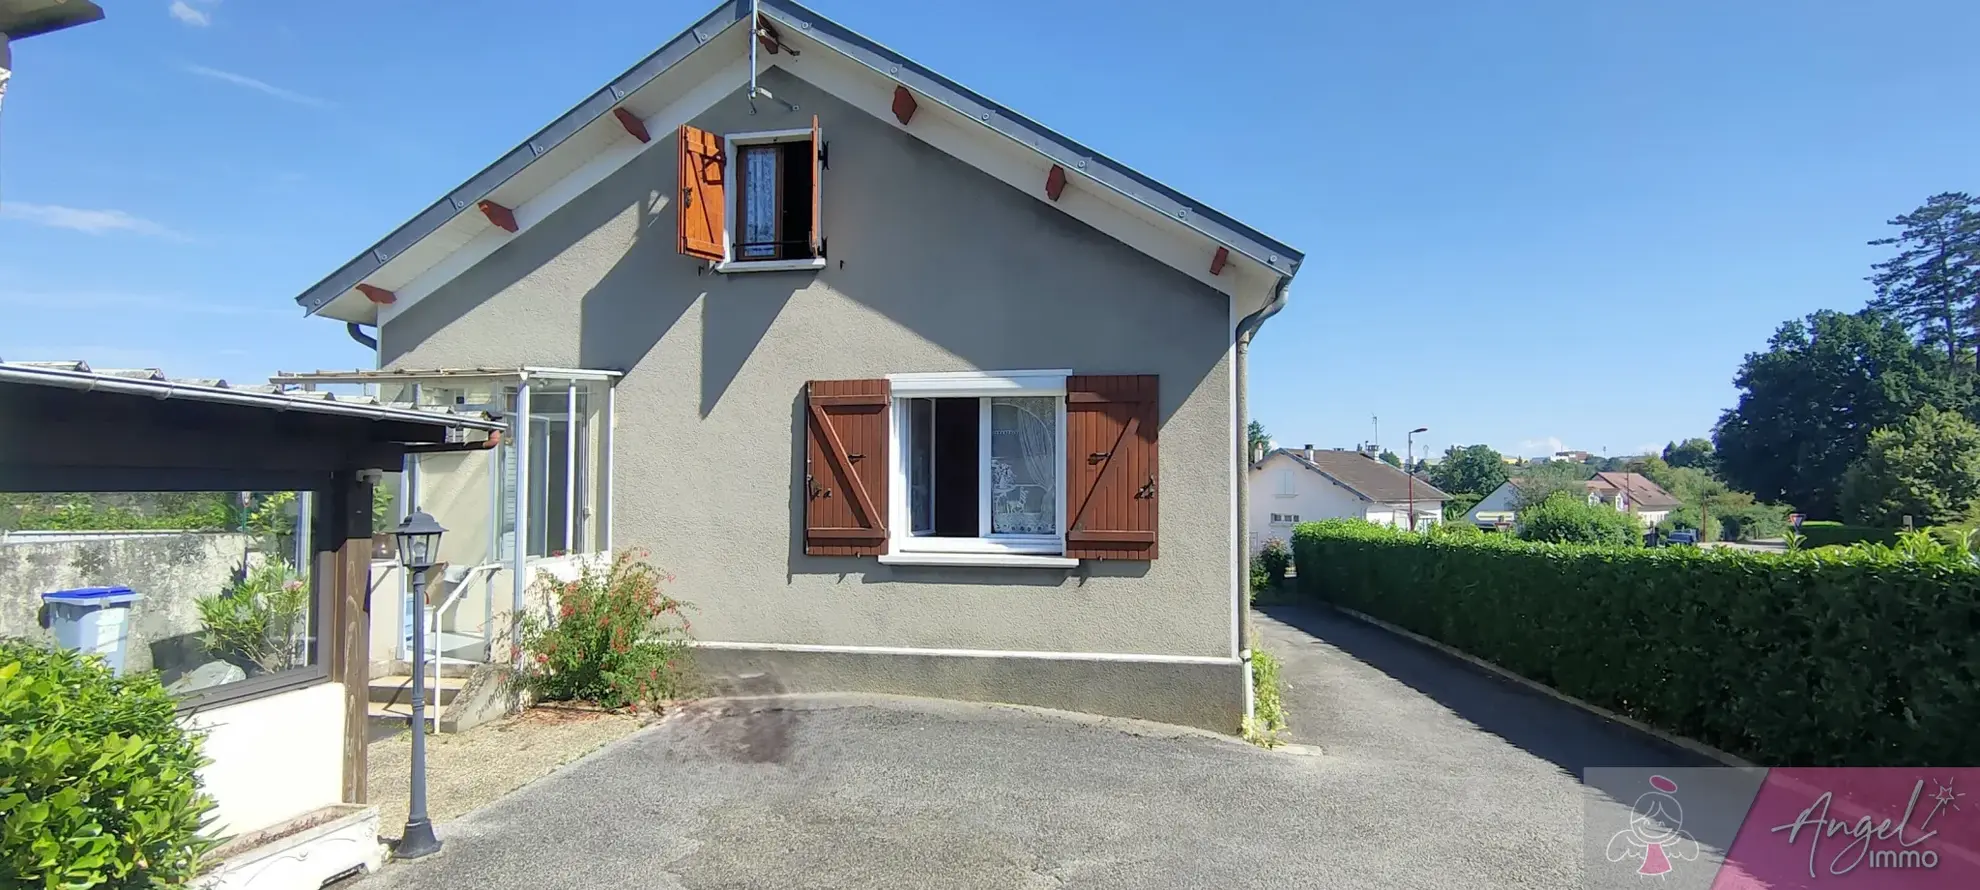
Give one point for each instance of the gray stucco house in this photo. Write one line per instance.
(877, 367)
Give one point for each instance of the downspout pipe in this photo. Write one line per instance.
(1246, 329)
(357, 333)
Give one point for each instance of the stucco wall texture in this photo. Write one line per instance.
(934, 266)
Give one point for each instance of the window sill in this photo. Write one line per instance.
(991, 560)
(1284, 495)
(728, 266)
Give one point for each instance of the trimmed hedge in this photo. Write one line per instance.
(1865, 658)
(1823, 534)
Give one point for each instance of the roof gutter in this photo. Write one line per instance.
(1246, 329)
(167, 389)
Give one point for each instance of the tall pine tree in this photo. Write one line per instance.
(1933, 283)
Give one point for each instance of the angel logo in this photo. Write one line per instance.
(1655, 835)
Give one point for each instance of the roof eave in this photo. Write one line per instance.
(1194, 215)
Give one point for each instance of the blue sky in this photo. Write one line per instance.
(1543, 223)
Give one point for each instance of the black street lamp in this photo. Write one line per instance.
(419, 547)
(1410, 447)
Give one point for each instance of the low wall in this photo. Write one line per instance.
(168, 571)
(274, 758)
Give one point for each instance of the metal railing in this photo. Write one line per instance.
(433, 616)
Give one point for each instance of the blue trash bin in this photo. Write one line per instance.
(92, 620)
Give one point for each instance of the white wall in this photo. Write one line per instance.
(274, 758)
(1284, 486)
(1504, 499)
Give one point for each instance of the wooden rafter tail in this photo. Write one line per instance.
(904, 104)
(503, 217)
(1055, 182)
(632, 123)
(377, 294)
(1217, 262)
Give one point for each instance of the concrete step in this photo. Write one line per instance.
(396, 690)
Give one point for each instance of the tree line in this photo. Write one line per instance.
(1869, 416)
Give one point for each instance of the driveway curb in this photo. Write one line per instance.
(1695, 747)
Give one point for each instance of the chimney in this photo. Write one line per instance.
(1258, 452)
(1309, 451)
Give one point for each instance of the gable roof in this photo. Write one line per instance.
(1642, 492)
(1367, 477)
(797, 23)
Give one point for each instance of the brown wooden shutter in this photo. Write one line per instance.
(1111, 466)
(845, 460)
(817, 211)
(702, 204)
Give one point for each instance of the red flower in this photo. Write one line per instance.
(542, 658)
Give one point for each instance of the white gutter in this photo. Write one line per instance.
(169, 389)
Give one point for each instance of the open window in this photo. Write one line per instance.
(751, 201)
(996, 468)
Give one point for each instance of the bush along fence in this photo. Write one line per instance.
(1868, 656)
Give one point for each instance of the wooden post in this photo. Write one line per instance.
(344, 558)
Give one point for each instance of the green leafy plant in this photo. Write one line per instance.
(1568, 518)
(261, 619)
(1276, 557)
(98, 778)
(1268, 713)
(1862, 655)
(1261, 580)
(1825, 533)
(616, 637)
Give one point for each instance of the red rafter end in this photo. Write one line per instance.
(501, 216)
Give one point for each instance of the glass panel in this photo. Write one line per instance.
(760, 201)
(1024, 452)
(921, 465)
(203, 589)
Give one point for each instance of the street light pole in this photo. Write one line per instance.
(419, 545)
(1409, 447)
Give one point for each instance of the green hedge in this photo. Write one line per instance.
(1823, 534)
(99, 781)
(1867, 657)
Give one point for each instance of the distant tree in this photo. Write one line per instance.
(1932, 285)
(1926, 467)
(1255, 438)
(1459, 505)
(1541, 481)
(1472, 469)
(1566, 518)
(1390, 458)
(1809, 403)
(1693, 452)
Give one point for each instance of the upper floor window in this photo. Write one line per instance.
(751, 201)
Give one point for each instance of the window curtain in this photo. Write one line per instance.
(760, 213)
(1023, 466)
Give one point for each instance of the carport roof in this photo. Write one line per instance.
(152, 382)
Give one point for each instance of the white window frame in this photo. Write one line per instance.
(1287, 487)
(904, 546)
(730, 143)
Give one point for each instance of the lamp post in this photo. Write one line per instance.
(419, 545)
(1409, 446)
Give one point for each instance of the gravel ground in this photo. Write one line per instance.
(1412, 770)
(470, 770)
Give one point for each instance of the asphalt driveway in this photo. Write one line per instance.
(1428, 775)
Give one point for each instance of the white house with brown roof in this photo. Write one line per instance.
(1627, 492)
(1294, 485)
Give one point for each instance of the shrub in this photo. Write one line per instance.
(1823, 534)
(1459, 505)
(1753, 521)
(1862, 655)
(616, 639)
(262, 620)
(98, 781)
(1261, 581)
(1568, 518)
(1268, 712)
(1686, 518)
(1276, 558)
(1457, 529)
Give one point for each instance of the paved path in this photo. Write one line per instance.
(1430, 776)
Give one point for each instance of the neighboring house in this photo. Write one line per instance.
(888, 365)
(1628, 492)
(1294, 485)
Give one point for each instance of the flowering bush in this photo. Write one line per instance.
(261, 621)
(615, 638)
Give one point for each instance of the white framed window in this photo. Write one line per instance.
(1287, 487)
(978, 465)
(1285, 518)
(771, 211)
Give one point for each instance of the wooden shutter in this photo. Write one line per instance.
(845, 467)
(817, 212)
(702, 204)
(1111, 466)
